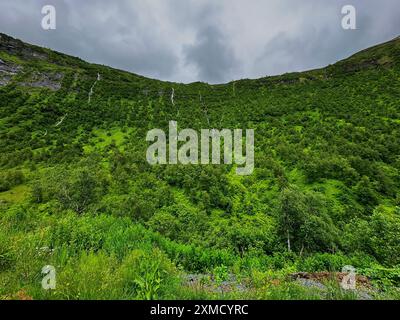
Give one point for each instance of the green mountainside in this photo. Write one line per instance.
(77, 193)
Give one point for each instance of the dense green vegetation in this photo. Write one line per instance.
(77, 193)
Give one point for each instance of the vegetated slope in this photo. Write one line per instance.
(76, 191)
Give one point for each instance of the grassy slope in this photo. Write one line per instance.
(332, 133)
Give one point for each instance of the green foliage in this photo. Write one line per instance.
(10, 178)
(79, 194)
(377, 235)
(6, 252)
(385, 278)
(220, 274)
(148, 274)
(324, 262)
(305, 221)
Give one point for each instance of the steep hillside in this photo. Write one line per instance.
(76, 191)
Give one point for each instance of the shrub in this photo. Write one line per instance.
(11, 178)
(148, 275)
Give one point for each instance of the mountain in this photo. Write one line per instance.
(77, 193)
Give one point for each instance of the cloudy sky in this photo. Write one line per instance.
(204, 40)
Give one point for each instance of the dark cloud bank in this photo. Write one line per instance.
(206, 40)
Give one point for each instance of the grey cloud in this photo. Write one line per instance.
(207, 40)
(97, 31)
(211, 55)
(319, 41)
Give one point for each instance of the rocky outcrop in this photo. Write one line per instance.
(7, 72)
(50, 81)
(318, 280)
(18, 48)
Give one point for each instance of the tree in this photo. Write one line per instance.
(304, 221)
(366, 194)
(75, 189)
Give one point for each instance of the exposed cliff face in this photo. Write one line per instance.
(50, 81)
(7, 72)
(14, 65)
(18, 48)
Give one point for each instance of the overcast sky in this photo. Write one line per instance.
(204, 40)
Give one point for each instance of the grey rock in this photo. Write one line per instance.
(311, 283)
(44, 80)
(210, 284)
(363, 295)
(4, 80)
(7, 72)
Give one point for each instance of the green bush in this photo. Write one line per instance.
(148, 275)
(10, 178)
(323, 262)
